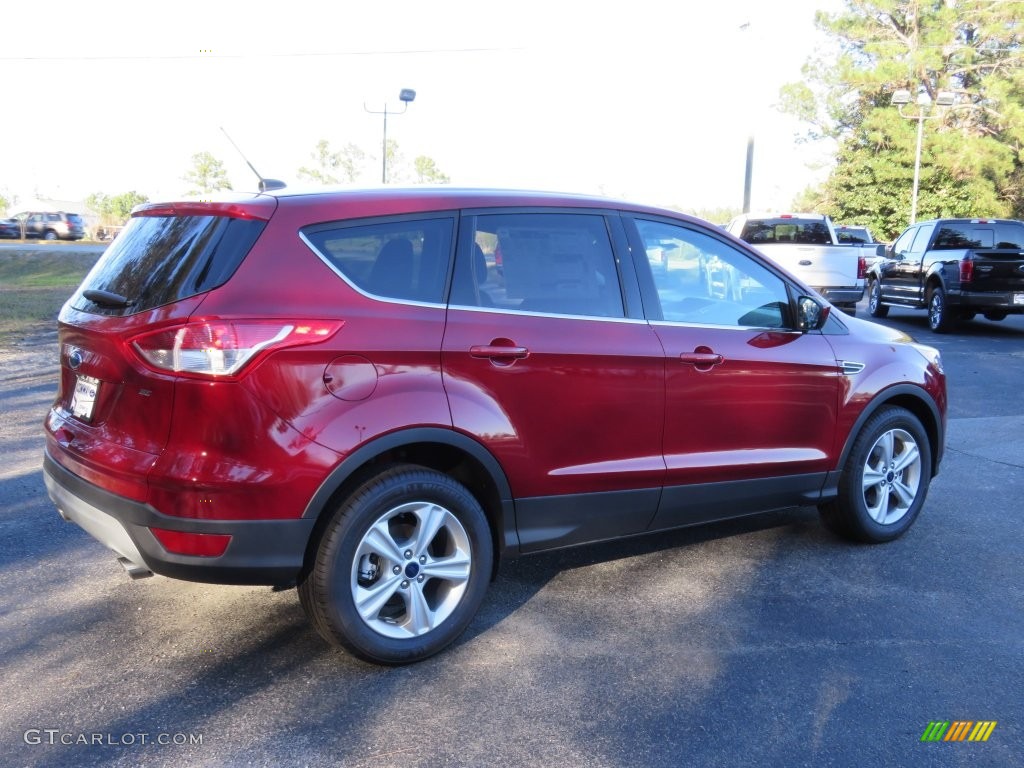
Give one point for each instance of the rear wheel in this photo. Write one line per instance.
(885, 480)
(50, 235)
(401, 567)
(875, 306)
(940, 319)
(995, 316)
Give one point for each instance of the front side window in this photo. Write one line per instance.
(924, 234)
(549, 263)
(405, 260)
(700, 279)
(902, 244)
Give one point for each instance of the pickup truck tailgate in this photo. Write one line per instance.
(998, 271)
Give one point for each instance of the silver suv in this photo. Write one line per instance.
(52, 225)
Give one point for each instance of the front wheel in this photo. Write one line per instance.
(401, 567)
(940, 319)
(875, 306)
(885, 479)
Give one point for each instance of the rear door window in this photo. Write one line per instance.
(954, 236)
(1010, 235)
(406, 260)
(161, 259)
(550, 263)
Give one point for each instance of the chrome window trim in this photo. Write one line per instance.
(714, 326)
(525, 313)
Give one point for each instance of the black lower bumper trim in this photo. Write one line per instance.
(260, 552)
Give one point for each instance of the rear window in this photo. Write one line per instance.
(74, 218)
(853, 235)
(804, 231)
(157, 260)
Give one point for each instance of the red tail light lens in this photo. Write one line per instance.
(862, 267)
(222, 348)
(198, 544)
(966, 271)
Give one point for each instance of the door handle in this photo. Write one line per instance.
(500, 352)
(805, 262)
(701, 360)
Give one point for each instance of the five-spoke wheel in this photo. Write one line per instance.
(884, 480)
(401, 566)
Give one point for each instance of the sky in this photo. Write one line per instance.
(647, 101)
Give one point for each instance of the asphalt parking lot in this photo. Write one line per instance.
(760, 642)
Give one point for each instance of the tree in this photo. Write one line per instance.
(7, 200)
(346, 163)
(427, 171)
(206, 175)
(972, 160)
(114, 211)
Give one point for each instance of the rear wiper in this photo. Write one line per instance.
(108, 299)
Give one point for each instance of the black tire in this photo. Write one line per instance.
(875, 306)
(50, 235)
(940, 319)
(419, 593)
(885, 480)
(995, 316)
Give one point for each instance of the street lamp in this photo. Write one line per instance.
(901, 98)
(406, 95)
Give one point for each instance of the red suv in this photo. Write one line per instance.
(342, 391)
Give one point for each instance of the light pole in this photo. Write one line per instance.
(901, 98)
(406, 95)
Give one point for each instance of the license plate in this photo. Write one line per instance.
(1018, 298)
(84, 399)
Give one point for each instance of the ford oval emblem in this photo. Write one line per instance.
(75, 359)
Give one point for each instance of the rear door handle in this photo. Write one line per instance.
(493, 351)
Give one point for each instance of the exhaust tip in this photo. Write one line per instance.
(133, 569)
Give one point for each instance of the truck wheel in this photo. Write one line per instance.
(401, 567)
(875, 306)
(940, 319)
(996, 316)
(885, 480)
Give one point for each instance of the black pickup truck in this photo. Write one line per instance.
(956, 268)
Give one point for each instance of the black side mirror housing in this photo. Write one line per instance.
(811, 314)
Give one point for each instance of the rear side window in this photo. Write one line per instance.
(1010, 235)
(157, 260)
(405, 260)
(953, 236)
(549, 263)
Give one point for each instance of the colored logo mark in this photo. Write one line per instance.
(958, 730)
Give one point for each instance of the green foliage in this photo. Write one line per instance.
(427, 171)
(206, 175)
(972, 159)
(333, 167)
(6, 202)
(115, 211)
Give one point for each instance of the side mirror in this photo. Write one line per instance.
(811, 316)
(881, 250)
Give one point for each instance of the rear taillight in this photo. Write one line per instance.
(966, 270)
(862, 267)
(222, 348)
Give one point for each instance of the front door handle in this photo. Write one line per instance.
(702, 358)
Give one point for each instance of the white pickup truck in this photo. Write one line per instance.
(805, 244)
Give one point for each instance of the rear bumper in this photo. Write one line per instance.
(848, 295)
(260, 551)
(981, 301)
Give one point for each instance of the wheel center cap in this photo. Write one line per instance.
(411, 570)
(890, 477)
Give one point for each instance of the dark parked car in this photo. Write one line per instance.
(341, 391)
(10, 228)
(53, 225)
(956, 268)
